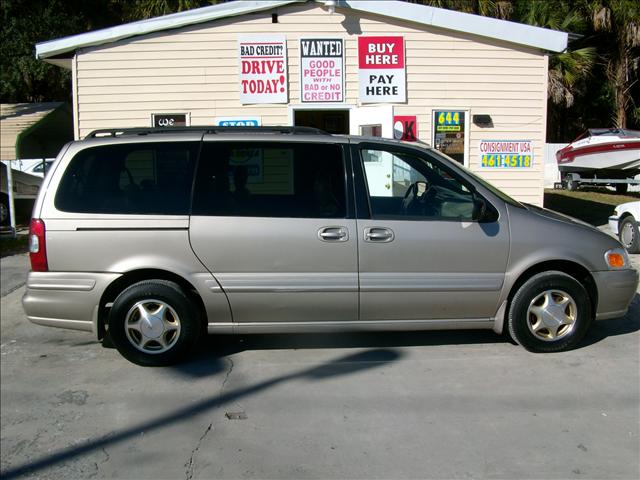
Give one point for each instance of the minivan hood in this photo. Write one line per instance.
(553, 215)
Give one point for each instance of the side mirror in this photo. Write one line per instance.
(483, 211)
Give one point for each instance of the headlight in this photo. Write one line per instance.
(615, 213)
(616, 258)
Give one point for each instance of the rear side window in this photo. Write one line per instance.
(141, 178)
(270, 180)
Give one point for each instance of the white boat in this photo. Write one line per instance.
(602, 152)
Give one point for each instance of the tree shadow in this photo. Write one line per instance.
(346, 365)
(587, 210)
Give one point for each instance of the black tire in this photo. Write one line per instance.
(162, 340)
(4, 210)
(522, 323)
(628, 234)
(621, 188)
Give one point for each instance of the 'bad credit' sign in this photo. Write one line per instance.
(382, 69)
(263, 69)
(321, 70)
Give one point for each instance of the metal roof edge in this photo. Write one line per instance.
(59, 46)
(512, 32)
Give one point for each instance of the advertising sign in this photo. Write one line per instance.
(405, 128)
(160, 120)
(321, 70)
(449, 133)
(449, 121)
(381, 65)
(263, 69)
(237, 121)
(506, 153)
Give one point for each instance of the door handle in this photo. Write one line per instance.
(333, 234)
(378, 235)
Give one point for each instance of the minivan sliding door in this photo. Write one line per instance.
(271, 221)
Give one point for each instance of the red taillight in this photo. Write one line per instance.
(37, 246)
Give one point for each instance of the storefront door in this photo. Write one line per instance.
(375, 122)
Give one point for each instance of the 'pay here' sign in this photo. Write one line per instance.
(382, 69)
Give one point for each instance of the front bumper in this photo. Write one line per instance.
(616, 289)
(65, 299)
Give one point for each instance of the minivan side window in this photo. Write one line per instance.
(270, 179)
(405, 186)
(139, 178)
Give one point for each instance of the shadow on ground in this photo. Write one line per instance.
(208, 360)
(347, 365)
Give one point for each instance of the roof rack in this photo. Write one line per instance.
(117, 132)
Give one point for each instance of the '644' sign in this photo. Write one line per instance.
(161, 120)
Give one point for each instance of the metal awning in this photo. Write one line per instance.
(34, 130)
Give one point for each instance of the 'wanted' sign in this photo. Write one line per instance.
(382, 69)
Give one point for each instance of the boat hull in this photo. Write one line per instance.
(622, 157)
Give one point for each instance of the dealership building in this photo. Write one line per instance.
(474, 87)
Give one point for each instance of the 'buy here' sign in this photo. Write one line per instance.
(382, 69)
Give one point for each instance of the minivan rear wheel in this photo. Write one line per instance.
(550, 312)
(153, 323)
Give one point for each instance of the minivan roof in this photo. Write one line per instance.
(249, 133)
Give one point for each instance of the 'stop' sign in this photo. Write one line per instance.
(381, 61)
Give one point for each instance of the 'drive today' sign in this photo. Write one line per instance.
(321, 70)
(382, 69)
(263, 68)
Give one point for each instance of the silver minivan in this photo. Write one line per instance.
(151, 238)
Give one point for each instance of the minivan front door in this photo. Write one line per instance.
(272, 222)
(422, 256)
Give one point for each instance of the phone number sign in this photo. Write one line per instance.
(506, 153)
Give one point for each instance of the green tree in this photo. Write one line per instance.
(489, 8)
(568, 70)
(27, 22)
(142, 9)
(616, 24)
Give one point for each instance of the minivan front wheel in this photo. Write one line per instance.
(153, 323)
(550, 312)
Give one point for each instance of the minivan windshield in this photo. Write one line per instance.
(497, 192)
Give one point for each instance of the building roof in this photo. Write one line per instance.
(517, 33)
(33, 130)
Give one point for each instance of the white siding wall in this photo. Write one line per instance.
(195, 70)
